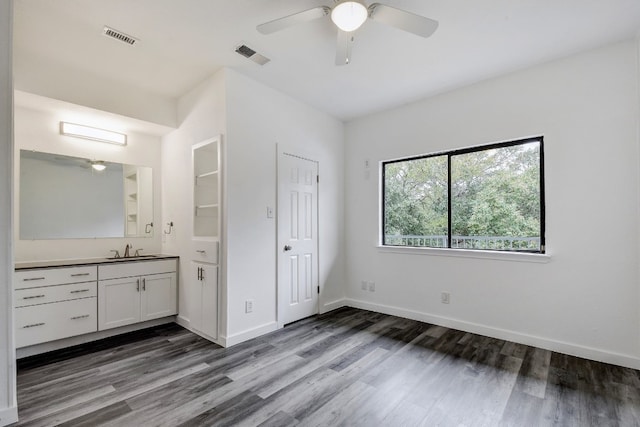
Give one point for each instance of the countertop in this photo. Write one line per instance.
(29, 265)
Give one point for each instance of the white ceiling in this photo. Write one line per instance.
(182, 42)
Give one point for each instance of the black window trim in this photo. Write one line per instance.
(450, 154)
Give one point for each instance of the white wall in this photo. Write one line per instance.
(39, 130)
(201, 116)
(585, 300)
(252, 119)
(258, 118)
(8, 406)
(79, 87)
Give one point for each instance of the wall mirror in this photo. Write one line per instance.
(64, 197)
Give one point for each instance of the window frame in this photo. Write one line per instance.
(450, 154)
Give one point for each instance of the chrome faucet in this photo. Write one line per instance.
(126, 251)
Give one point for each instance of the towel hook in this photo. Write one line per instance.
(170, 224)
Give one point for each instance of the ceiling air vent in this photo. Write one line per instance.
(251, 54)
(119, 35)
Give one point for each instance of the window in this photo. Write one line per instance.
(488, 198)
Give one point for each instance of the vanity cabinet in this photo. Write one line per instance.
(54, 303)
(135, 292)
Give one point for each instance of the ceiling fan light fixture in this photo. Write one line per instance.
(98, 165)
(349, 15)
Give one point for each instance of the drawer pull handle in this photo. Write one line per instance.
(79, 291)
(79, 274)
(201, 251)
(33, 325)
(144, 284)
(34, 296)
(138, 285)
(84, 316)
(32, 278)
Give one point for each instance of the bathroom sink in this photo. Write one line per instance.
(133, 258)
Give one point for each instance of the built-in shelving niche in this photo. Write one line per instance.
(131, 199)
(206, 193)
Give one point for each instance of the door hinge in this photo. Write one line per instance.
(318, 289)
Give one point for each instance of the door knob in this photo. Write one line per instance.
(287, 248)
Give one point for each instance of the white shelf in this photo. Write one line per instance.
(206, 210)
(207, 174)
(209, 179)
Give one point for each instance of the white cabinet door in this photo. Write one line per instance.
(204, 314)
(118, 302)
(158, 296)
(209, 280)
(195, 295)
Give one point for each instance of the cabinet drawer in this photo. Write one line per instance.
(205, 251)
(24, 279)
(139, 268)
(49, 294)
(48, 322)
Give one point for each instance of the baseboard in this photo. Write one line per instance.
(222, 341)
(504, 334)
(8, 416)
(250, 333)
(82, 339)
(184, 322)
(333, 305)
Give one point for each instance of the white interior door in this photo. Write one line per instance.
(297, 238)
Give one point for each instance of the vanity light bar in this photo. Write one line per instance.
(94, 134)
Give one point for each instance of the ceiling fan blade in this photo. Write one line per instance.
(343, 51)
(403, 20)
(291, 20)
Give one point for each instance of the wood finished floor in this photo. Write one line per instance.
(349, 367)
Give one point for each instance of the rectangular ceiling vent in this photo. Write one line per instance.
(119, 35)
(251, 54)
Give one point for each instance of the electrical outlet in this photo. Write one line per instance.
(372, 286)
(269, 212)
(248, 306)
(364, 285)
(445, 297)
(367, 164)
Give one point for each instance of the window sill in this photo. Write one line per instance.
(468, 253)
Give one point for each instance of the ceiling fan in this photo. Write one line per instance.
(348, 16)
